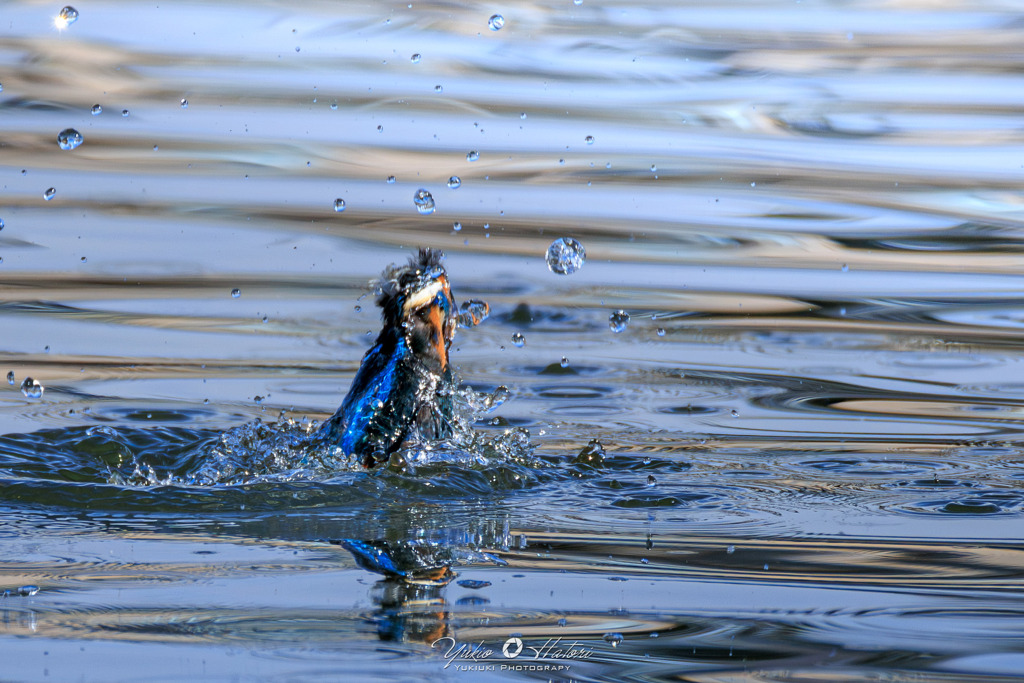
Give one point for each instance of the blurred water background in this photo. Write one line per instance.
(812, 460)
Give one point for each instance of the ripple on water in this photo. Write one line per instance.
(584, 410)
(572, 392)
(1003, 390)
(943, 360)
(541, 318)
(999, 316)
(556, 368)
(974, 502)
(576, 400)
(689, 409)
(881, 467)
(933, 484)
(641, 500)
(262, 466)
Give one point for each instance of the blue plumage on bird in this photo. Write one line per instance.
(404, 384)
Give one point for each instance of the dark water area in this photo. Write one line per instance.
(795, 455)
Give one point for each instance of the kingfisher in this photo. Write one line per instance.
(404, 384)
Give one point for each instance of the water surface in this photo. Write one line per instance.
(812, 454)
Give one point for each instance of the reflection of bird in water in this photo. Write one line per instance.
(425, 564)
(415, 553)
(411, 605)
(404, 383)
(408, 612)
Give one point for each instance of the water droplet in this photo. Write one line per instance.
(235, 293)
(589, 139)
(67, 16)
(565, 362)
(438, 88)
(651, 481)
(562, 622)
(391, 180)
(577, 2)
(730, 550)
(124, 112)
(456, 226)
(618, 321)
(424, 202)
(654, 169)
(10, 378)
(83, 259)
(661, 331)
(1, 223)
(49, 194)
(69, 138)
(565, 256)
(184, 103)
(613, 638)
(846, 268)
(591, 454)
(358, 308)
(766, 566)
(28, 590)
(96, 110)
(519, 339)
(496, 22)
(734, 412)
(415, 59)
(156, 148)
(522, 114)
(473, 312)
(31, 388)
(472, 156)
(339, 205)
(334, 106)
(454, 182)
(497, 397)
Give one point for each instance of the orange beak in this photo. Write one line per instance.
(434, 317)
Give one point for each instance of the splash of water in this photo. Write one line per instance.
(292, 450)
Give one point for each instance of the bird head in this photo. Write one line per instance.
(417, 298)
